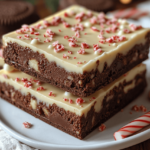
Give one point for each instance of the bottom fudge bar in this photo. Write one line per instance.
(74, 115)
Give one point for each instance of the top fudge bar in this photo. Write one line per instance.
(77, 50)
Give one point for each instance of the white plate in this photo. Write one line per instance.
(44, 136)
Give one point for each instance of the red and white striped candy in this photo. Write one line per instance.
(133, 127)
(133, 13)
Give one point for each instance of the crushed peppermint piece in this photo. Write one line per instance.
(94, 29)
(66, 14)
(27, 125)
(28, 84)
(24, 79)
(81, 51)
(74, 57)
(79, 101)
(70, 52)
(40, 88)
(70, 101)
(77, 34)
(135, 108)
(17, 79)
(67, 25)
(73, 44)
(84, 45)
(65, 56)
(143, 108)
(66, 37)
(50, 93)
(102, 127)
(135, 27)
(65, 99)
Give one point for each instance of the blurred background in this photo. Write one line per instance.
(14, 13)
(47, 7)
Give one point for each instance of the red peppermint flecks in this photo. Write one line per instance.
(46, 23)
(94, 29)
(135, 27)
(77, 34)
(19, 31)
(126, 31)
(65, 99)
(72, 39)
(70, 52)
(79, 101)
(74, 57)
(93, 98)
(84, 45)
(70, 101)
(58, 48)
(66, 14)
(66, 37)
(50, 93)
(40, 88)
(24, 79)
(143, 108)
(67, 25)
(19, 37)
(97, 48)
(36, 33)
(55, 43)
(73, 44)
(59, 30)
(28, 84)
(93, 20)
(79, 62)
(27, 125)
(65, 56)
(81, 51)
(102, 127)
(26, 35)
(17, 79)
(135, 108)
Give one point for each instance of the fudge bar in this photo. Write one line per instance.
(77, 50)
(72, 114)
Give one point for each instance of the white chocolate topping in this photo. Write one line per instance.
(91, 29)
(49, 94)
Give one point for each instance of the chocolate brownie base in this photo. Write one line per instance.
(78, 126)
(1, 67)
(18, 56)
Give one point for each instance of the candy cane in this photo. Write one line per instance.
(133, 127)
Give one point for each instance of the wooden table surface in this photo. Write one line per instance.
(43, 12)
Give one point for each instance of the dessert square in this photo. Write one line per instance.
(77, 116)
(77, 50)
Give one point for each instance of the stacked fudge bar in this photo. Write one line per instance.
(75, 69)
